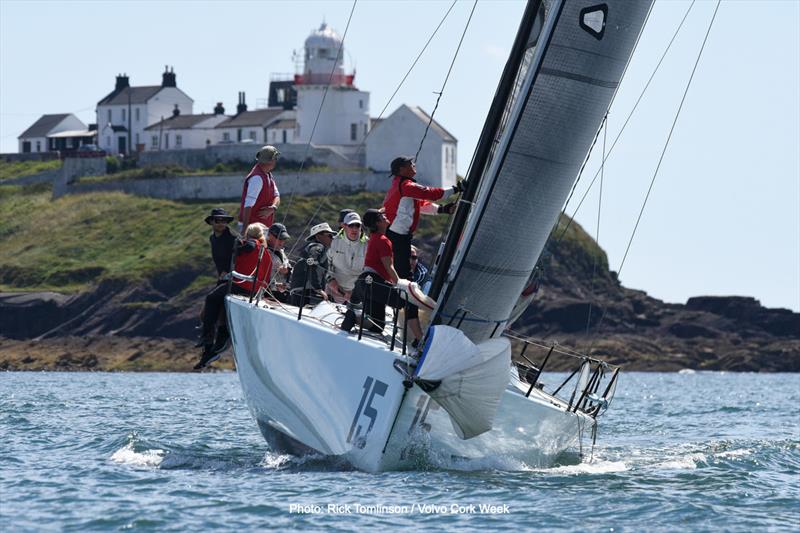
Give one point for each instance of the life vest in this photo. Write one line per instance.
(246, 262)
(266, 197)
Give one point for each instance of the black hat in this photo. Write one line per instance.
(400, 162)
(218, 212)
(342, 214)
(279, 231)
(371, 218)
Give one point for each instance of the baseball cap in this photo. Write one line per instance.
(267, 153)
(351, 218)
(279, 231)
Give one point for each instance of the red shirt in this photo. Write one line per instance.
(247, 263)
(378, 246)
(266, 197)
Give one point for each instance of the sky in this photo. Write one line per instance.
(723, 217)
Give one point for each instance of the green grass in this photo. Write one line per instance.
(17, 169)
(69, 243)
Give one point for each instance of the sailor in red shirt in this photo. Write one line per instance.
(404, 202)
(260, 195)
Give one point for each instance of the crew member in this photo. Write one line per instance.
(308, 275)
(281, 268)
(404, 202)
(260, 195)
(347, 258)
(251, 261)
(374, 286)
(221, 240)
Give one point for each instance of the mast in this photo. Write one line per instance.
(486, 142)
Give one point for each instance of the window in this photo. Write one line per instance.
(226, 136)
(38, 146)
(166, 141)
(123, 116)
(154, 141)
(353, 132)
(365, 129)
(253, 134)
(361, 104)
(284, 136)
(137, 138)
(109, 118)
(178, 141)
(274, 135)
(136, 114)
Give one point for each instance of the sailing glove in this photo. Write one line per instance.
(449, 208)
(459, 186)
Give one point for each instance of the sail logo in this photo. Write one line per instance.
(372, 387)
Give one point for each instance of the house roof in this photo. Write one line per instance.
(138, 95)
(42, 127)
(181, 122)
(435, 126)
(285, 124)
(73, 133)
(258, 117)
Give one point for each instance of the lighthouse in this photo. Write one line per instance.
(325, 88)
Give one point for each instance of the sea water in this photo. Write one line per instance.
(98, 451)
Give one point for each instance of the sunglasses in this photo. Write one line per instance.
(354, 225)
(219, 220)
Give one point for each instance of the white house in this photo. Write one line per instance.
(400, 134)
(123, 114)
(281, 131)
(35, 138)
(185, 131)
(344, 116)
(250, 126)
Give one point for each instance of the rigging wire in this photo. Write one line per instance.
(446, 78)
(319, 111)
(597, 233)
(661, 158)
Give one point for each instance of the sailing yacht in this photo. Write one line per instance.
(474, 391)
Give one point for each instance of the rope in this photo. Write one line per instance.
(319, 111)
(661, 158)
(441, 91)
(380, 115)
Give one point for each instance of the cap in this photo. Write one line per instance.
(279, 231)
(371, 218)
(400, 162)
(352, 218)
(343, 213)
(267, 153)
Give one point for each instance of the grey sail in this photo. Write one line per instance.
(576, 55)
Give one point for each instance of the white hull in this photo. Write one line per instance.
(313, 387)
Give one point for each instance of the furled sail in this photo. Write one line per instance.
(574, 58)
(469, 379)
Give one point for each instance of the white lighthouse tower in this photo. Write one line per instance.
(344, 117)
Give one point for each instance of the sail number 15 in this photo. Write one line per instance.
(372, 387)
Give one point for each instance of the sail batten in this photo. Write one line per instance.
(561, 91)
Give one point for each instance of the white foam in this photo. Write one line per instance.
(148, 458)
(688, 462)
(597, 467)
(734, 453)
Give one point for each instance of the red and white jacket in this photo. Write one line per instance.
(247, 262)
(405, 200)
(259, 191)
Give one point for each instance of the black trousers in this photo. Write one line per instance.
(215, 305)
(375, 296)
(401, 250)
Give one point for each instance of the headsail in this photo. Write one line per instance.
(574, 58)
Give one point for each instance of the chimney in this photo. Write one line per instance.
(168, 77)
(176, 111)
(242, 107)
(122, 82)
(219, 110)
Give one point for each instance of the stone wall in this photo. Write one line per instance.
(222, 153)
(75, 168)
(218, 187)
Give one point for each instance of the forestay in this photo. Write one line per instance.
(576, 55)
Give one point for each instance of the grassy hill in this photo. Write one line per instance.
(76, 240)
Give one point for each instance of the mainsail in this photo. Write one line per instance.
(573, 58)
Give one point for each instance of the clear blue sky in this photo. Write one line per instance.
(724, 215)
